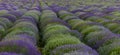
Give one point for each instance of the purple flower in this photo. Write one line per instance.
(78, 53)
(55, 20)
(19, 46)
(16, 13)
(26, 19)
(109, 10)
(35, 8)
(96, 39)
(73, 47)
(9, 53)
(21, 36)
(78, 10)
(76, 34)
(57, 9)
(22, 10)
(9, 16)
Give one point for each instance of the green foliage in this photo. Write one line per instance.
(2, 12)
(47, 14)
(97, 38)
(112, 40)
(75, 22)
(111, 49)
(117, 30)
(67, 18)
(116, 13)
(96, 19)
(24, 26)
(55, 27)
(52, 44)
(6, 21)
(33, 14)
(112, 26)
(63, 14)
(92, 29)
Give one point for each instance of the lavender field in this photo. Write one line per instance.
(59, 27)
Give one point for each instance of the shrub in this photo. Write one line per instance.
(52, 44)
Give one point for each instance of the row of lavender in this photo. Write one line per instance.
(19, 33)
(16, 4)
(108, 18)
(99, 26)
(58, 38)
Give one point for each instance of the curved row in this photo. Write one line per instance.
(94, 34)
(57, 34)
